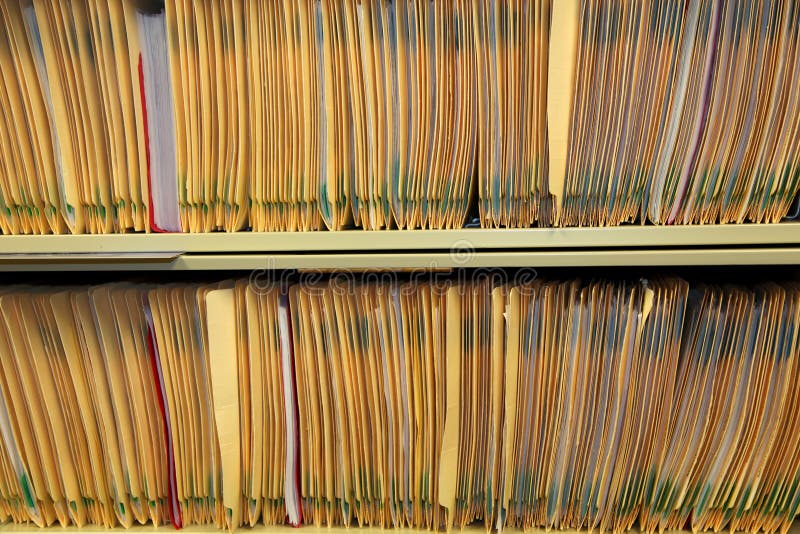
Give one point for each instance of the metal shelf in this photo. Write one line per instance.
(416, 261)
(423, 249)
(532, 238)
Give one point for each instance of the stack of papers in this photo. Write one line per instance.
(422, 403)
(72, 124)
(82, 437)
(553, 404)
(512, 42)
(428, 403)
(225, 384)
(207, 58)
(683, 113)
(305, 115)
(365, 113)
(113, 406)
(370, 363)
(340, 113)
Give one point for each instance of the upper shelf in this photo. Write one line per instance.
(752, 244)
(411, 240)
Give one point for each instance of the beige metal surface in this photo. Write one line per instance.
(430, 261)
(391, 240)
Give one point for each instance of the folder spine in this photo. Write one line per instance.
(175, 514)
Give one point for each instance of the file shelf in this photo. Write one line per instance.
(357, 249)
(565, 79)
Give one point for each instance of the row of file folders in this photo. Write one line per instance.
(122, 115)
(430, 403)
